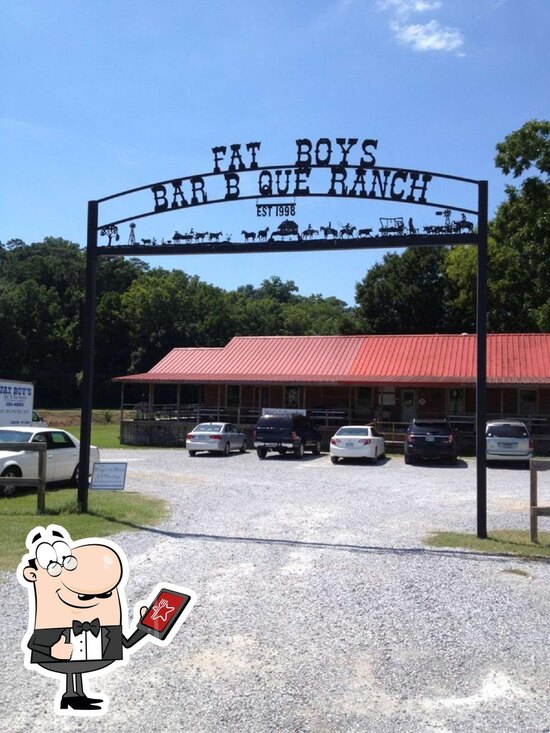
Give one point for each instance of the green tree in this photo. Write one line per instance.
(519, 242)
(168, 309)
(525, 148)
(318, 315)
(405, 293)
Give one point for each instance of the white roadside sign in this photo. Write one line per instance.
(108, 476)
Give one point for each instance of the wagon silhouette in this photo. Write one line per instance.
(286, 228)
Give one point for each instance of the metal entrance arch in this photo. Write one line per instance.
(320, 170)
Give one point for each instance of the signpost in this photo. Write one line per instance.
(342, 169)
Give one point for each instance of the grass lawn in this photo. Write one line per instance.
(109, 512)
(105, 426)
(515, 542)
(103, 436)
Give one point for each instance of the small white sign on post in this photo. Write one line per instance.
(109, 476)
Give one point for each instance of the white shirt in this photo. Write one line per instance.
(86, 646)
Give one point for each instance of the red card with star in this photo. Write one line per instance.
(163, 613)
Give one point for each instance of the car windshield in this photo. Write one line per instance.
(14, 436)
(507, 431)
(353, 431)
(438, 428)
(208, 427)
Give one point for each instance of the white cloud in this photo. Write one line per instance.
(429, 37)
(404, 8)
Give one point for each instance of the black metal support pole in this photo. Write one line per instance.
(88, 358)
(481, 384)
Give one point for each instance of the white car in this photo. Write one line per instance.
(216, 437)
(62, 455)
(357, 441)
(37, 421)
(508, 440)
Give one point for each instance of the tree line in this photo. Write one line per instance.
(143, 312)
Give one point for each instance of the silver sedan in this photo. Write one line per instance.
(357, 441)
(216, 437)
(62, 454)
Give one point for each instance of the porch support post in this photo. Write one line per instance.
(121, 406)
(481, 384)
(151, 401)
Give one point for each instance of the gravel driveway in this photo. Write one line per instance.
(319, 608)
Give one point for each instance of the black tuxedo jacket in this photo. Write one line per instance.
(112, 640)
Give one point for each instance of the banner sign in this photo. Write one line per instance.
(16, 401)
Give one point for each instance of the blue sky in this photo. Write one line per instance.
(103, 96)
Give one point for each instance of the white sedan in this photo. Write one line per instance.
(357, 441)
(62, 455)
(216, 437)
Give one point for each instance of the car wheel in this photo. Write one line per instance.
(334, 459)
(192, 453)
(453, 461)
(75, 476)
(299, 451)
(317, 449)
(375, 458)
(262, 452)
(242, 449)
(226, 449)
(11, 472)
(408, 459)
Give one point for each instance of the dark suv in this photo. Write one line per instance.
(430, 439)
(286, 433)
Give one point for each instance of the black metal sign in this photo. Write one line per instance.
(343, 169)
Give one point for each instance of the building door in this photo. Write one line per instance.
(408, 404)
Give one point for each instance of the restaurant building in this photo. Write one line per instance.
(338, 380)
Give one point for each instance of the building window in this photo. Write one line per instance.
(527, 402)
(456, 401)
(233, 395)
(292, 397)
(387, 397)
(363, 397)
(263, 396)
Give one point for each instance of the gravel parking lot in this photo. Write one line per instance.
(319, 608)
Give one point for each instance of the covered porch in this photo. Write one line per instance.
(162, 414)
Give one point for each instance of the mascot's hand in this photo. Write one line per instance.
(62, 649)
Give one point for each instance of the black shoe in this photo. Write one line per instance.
(78, 703)
(91, 700)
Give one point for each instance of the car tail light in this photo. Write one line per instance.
(254, 434)
(215, 437)
(366, 441)
(531, 444)
(190, 436)
(451, 439)
(334, 441)
(409, 438)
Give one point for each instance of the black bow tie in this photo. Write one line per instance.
(93, 626)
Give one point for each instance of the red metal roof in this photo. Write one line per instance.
(407, 360)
